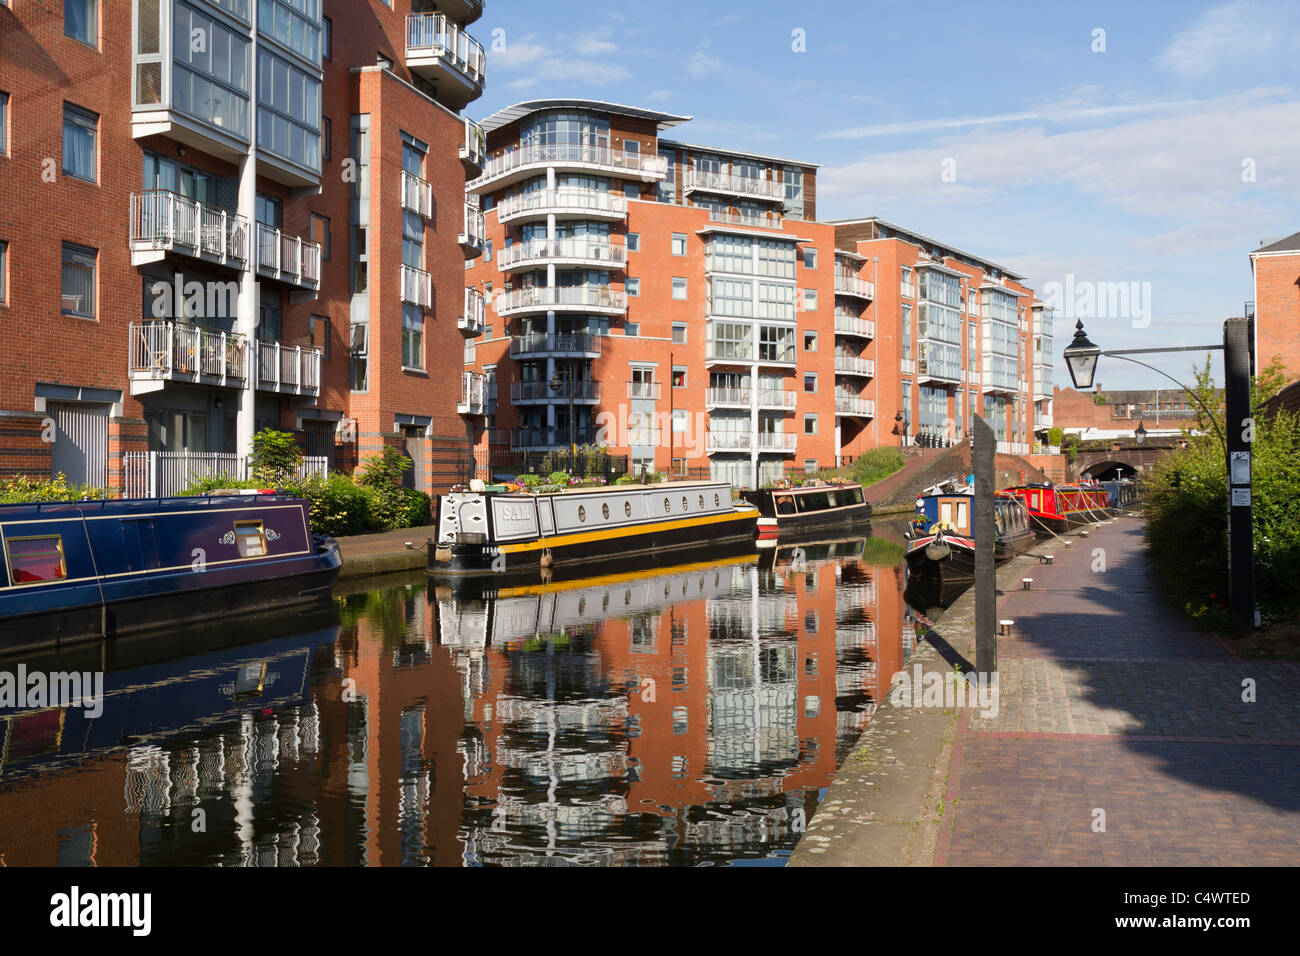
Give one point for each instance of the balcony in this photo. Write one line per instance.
(290, 259)
(698, 180)
(583, 392)
(861, 328)
(530, 439)
(778, 442)
(853, 365)
(728, 398)
(972, 376)
(473, 232)
(643, 390)
(727, 441)
(473, 152)
(581, 298)
(907, 290)
(462, 11)
(728, 353)
(473, 317)
(164, 221)
(563, 204)
(289, 371)
(528, 161)
(591, 252)
(747, 220)
(777, 398)
(162, 352)
(441, 52)
(907, 366)
(575, 345)
(1042, 419)
(417, 287)
(473, 394)
(1013, 448)
(769, 354)
(853, 286)
(853, 406)
(417, 195)
(1042, 382)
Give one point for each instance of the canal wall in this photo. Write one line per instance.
(368, 555)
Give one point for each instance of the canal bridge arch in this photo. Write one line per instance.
(1126, 459)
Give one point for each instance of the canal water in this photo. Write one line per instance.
(687, 715)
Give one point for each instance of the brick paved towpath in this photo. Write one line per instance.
(1113, 712)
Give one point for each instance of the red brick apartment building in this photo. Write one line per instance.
(223, 214)
(1276, 270)
(687, 305)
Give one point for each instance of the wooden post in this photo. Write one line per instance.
(985, 531)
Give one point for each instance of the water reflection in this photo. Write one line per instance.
(681, 716)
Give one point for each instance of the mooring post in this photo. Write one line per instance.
(986, 641)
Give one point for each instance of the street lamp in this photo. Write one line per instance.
(1081, 359)
(1238, 361)
(1140, 433)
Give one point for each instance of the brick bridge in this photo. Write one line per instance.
(1125, 456)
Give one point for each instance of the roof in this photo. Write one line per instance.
(1290, 244)
(511, 113)
(927, 241)
(677, 144)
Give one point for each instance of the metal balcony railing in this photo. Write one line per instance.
(854, 286)
(597, 252)
(473, 394)
(581, 391)
(757, 221)
(558, 437)
(417, 287)
(434, 34)
(163, 221)
(550, 297)
(728, 398)
(573, 154)
(288, 258)
(729, 352)
(473, 232)
(646, 390)
(578, 343)
(294, 371)
(545, 201)
(863, 328)
(852, 365)
(855, 405)
(727, 441)
(417, 195)
(170, 351)
(474, 150)
(777, 441)
(705, 181)
(473, 317)
(777, 398)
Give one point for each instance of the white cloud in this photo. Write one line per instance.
(702, 64)
(1243, 33)
(518, 54)
(595, 43)
(657, 96)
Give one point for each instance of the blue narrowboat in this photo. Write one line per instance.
(84, 570)
(941, 540)
(1122, 494)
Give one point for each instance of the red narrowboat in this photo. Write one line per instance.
(1057, 508)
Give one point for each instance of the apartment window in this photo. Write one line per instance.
(320, 232)
(907, 280)
(631, 190)
(79, 131)
(81, 20)
(810, 258)
(631, 328)
(679, 420)
(679, 376)
(810, 341)
(679, 244)
(634, 242)
(79, 281)
(326, 137)
(810, 300)
(907, 332)
(633, 286)
(810, 381)
(810, 468)
(679, 333)
(359, 347)
(326, 38)
(679, 288)
(320, 334)
(412, 337)
(4, 124)
(810, 424)
(4, 266)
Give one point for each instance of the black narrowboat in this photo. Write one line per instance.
(820, 507)
(84, 570)
(941, 541)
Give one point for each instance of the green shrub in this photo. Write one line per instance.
(205, 486)
(558, 478)
(24, 489)
(338, 506)
(419, 509)
(530, 480)
(625, 480)
(276, 458)
(876, 464)
(1055, 436)
(382, 474)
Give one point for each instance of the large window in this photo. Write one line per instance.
(81, 20)
(163, 173)
(412, 337)
(79, 133)
(359, 346)
(4, 272)
(288, 123)
(4, 124)
(79, 281)
(567, 132)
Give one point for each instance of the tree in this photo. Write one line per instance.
(276, 458)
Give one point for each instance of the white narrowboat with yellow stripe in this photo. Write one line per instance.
(490, 533)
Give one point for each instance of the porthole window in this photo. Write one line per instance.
(701, 502)
(627, 508)
(582, 513)
(668, 506)
(604, 511)
(685, 505)
(717, 502)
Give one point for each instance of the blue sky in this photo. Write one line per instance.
(1163, 158)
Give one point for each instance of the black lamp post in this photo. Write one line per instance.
(1140, 433)
(557, 384)
(1238, 361)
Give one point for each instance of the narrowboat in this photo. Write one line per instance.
(1121, 495)
(820, 507)
(85, 570)
(941, 541)
(1057, 508)
(490, 533)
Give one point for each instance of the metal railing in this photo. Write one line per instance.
(546, 297)
(646, 390)
(556, 437)
(168, 350)
(729, 352)
(581, 391)
(727, 441)
(561, 201)
(599, 251)
(580, 343)
(160, 474)
(436, 34)
(288, 258)
(474, 230)
(732, 397)
(417, 286)
(865, 328)
(164, 220)
(417, 195)
(854, 405)
(852, 365)
(777, 441)
(474, 149)
(280, 368)
(852, 285)
(647, 166)
(705, 181)
(473, 393)
(772, 221)
(473, 317)
(777, 398)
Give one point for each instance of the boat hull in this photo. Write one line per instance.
(959, 563)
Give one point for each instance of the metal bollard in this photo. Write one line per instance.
(1004, 628)
(1027, 583)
